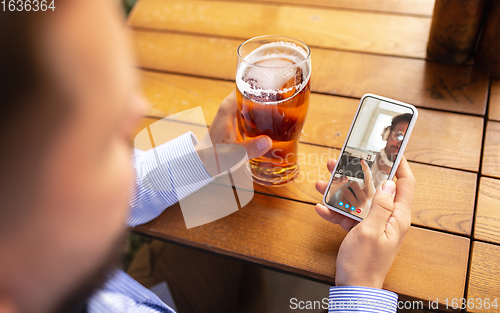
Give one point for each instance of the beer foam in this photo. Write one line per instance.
(269, 68)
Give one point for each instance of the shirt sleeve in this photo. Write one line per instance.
(122, 293)
(362, 299)
(165, 175)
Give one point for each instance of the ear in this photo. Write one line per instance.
(7, 304)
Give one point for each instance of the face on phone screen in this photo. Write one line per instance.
(368, 157)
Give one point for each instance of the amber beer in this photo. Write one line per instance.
(272, 80)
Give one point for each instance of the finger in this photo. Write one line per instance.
(347, 223)
(405, 184)
(342, 180)
(363, 201)
(257, 146)
(360, 193)
(369, 188)
(343, 199)
(354, 185)
(321, 186)
(334, 187)
(382, 207)
(329, 215)
(349, 196)
(404, 196)
(331, 165)
(230, 101)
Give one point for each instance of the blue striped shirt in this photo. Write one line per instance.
(166, 175)
(362, 299)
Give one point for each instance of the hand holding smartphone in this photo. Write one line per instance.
(371, 154)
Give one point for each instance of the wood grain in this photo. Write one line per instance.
(438, 138)
(438, 204)
(494, 104)
(424, 84)
(484, 277)
(290, 236)
(488, 211)
(448, 139)
(414, 7)
(491, 153)
(323, 27)
(441, 205)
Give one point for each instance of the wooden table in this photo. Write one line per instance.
(186, 54)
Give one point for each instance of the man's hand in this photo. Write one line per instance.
(369, 249)
(329, 215)
(224, 130)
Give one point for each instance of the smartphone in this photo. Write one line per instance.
(371, 154)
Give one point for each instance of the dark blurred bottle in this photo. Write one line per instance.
(488, 51)
(454, 29)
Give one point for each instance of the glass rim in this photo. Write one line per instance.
(291, 39)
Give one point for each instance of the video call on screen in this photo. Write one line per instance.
(376, 138)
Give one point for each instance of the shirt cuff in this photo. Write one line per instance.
(362, 299)
(179, 168)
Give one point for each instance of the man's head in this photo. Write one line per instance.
(397, 131)
(69, 109)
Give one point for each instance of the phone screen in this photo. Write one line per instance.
(369, 155)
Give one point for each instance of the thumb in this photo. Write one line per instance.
(369, 189)
(257, 146)
(382, 207)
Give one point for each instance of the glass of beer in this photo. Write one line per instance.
(272, 89)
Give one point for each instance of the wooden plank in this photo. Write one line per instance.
(438, 204)
(424, 84)
(320, 27)
(414, 7)
(290, 236)
(441, 205)
(484, 278)
(491, 153)
(438, 137)
(494, 105)
(488, 211)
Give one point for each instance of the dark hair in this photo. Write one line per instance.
(400, 118)
(31, 111)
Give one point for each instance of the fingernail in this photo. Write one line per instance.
(389, 187)
(263, 143)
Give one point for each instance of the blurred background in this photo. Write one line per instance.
(128, 5)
